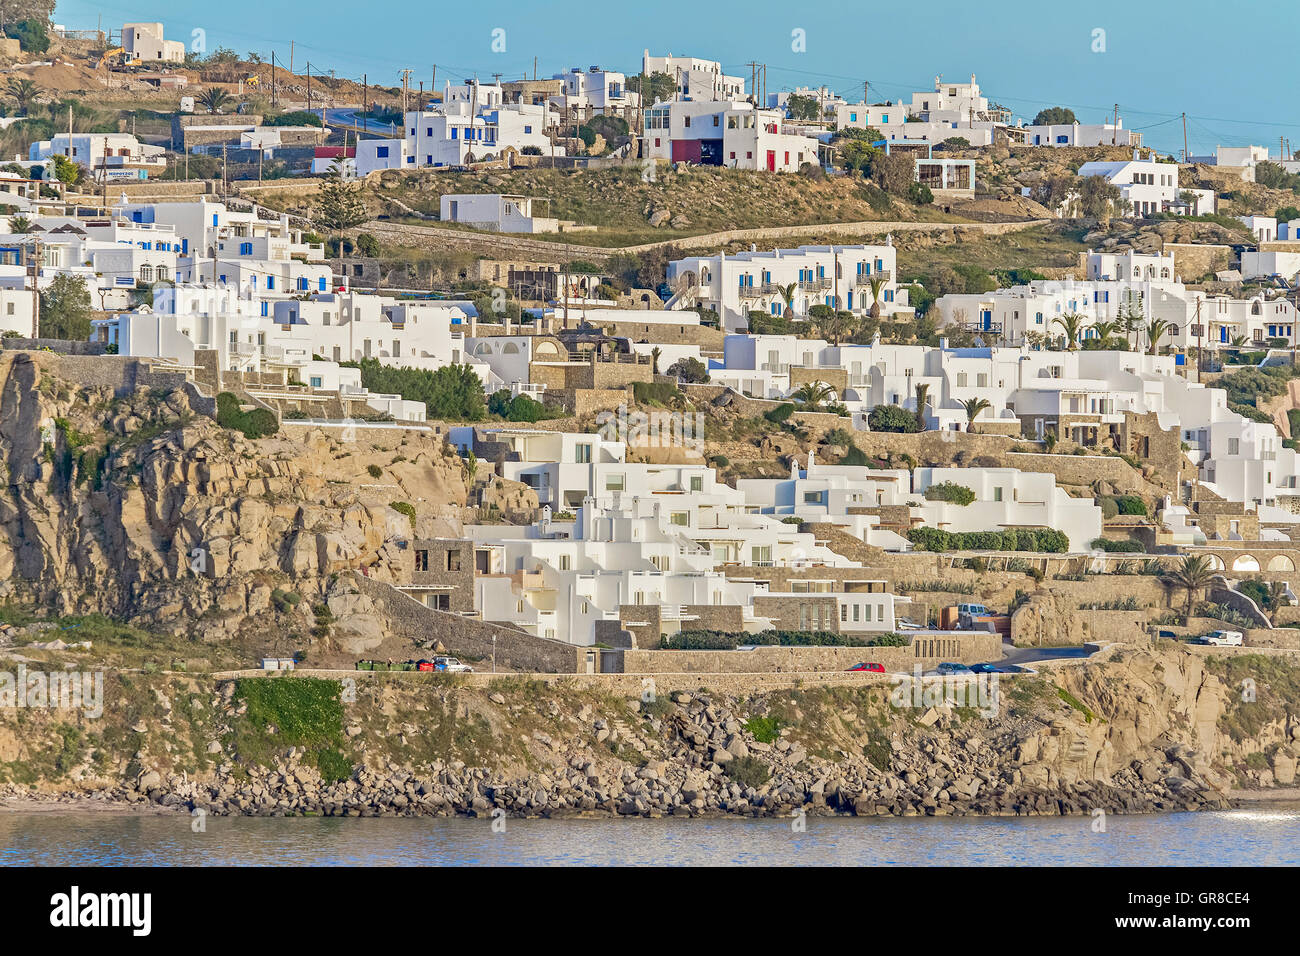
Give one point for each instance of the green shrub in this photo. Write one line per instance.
(1044, 540)
(1108, 507)
(951, 492)
(781, 414)
(892, 418)
(764, 729)
(406, 508)
(374, 471)
(655, 393)
(1131, 505)
(748, 771)
(258, 423)
(1117, 547)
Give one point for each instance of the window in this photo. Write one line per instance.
(961, 379)
(245, 248)
(453, 560)
(422, 560)
(614, 482)
(697, 483)
(997, 494)
(317, 382)
(681, 518)
(564, 562)
(582, 454)
(381, 152)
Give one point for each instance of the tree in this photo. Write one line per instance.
(1192, 575)
(922, 400)
(689, 370)
(973, 408)
(892, 418)
(1071, 325)
(655, 88)
(338, 204)
(787, 293)
(1155, 329)
(877, 284)
(894, 172)
(22, 91)
(855, 153)
(1105, 330)
(834, 324)
(1055, 116)
(367, 245)
(1286, 213)
(66, 171)
(1100, 199)
(213, 99)
(65, 309)
(19, 225)
(32, 36)
(813, 395)
(799, 107)
(654, 359)
(1049, 442)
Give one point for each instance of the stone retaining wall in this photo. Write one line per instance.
(410, 620)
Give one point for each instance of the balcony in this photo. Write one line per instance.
(813, 285)
(751, 291)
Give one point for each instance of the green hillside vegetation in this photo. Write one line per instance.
(710, 200)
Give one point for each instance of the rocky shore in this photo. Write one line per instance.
(692, 755)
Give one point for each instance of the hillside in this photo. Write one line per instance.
(629, 210)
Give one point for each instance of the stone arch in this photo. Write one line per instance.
(1281, 562)
(482, 349)
(1216, 562)
(547, 349)
(1245, 562)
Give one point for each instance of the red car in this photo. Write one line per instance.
(870, 666)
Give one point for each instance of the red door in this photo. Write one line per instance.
(686, 151)
(771, 160)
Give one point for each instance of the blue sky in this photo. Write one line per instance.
(1224, 66)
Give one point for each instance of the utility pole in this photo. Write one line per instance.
(866, 96)
(419, 103)
(273, 99)
(291, 58)
(406, 85)
(365, 102)
(309, 86)
(1114, 128)
(753, 80)
(1200, 340)
(1186, 156)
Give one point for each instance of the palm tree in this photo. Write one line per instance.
(922, 400)
(654, 359)
(1192, 575)
(973, 408)
(19, 225)
(877, 283)
(1105, 330)
(787, 293)
(213, 99)
(1049, 441)
(1071, 324)
(1155, 329)
(813, 395)
(22, 91)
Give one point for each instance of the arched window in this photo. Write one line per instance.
(146, 273)
(510, 348)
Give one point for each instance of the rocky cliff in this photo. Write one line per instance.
(129, 503)
(1145, 730)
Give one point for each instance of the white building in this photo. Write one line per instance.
(144, 41)
(106, 156)
(1149, 186)
(730, 133)
(495, 211)
(696, 79)
(838, 276)
(596, 89)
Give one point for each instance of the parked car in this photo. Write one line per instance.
(871, 666)
(451, 666)
(947, 667)
(1224, 638)
(985, 669)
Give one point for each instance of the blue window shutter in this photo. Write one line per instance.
(322, 283)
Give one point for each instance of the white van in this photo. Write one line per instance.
(1224, 638)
